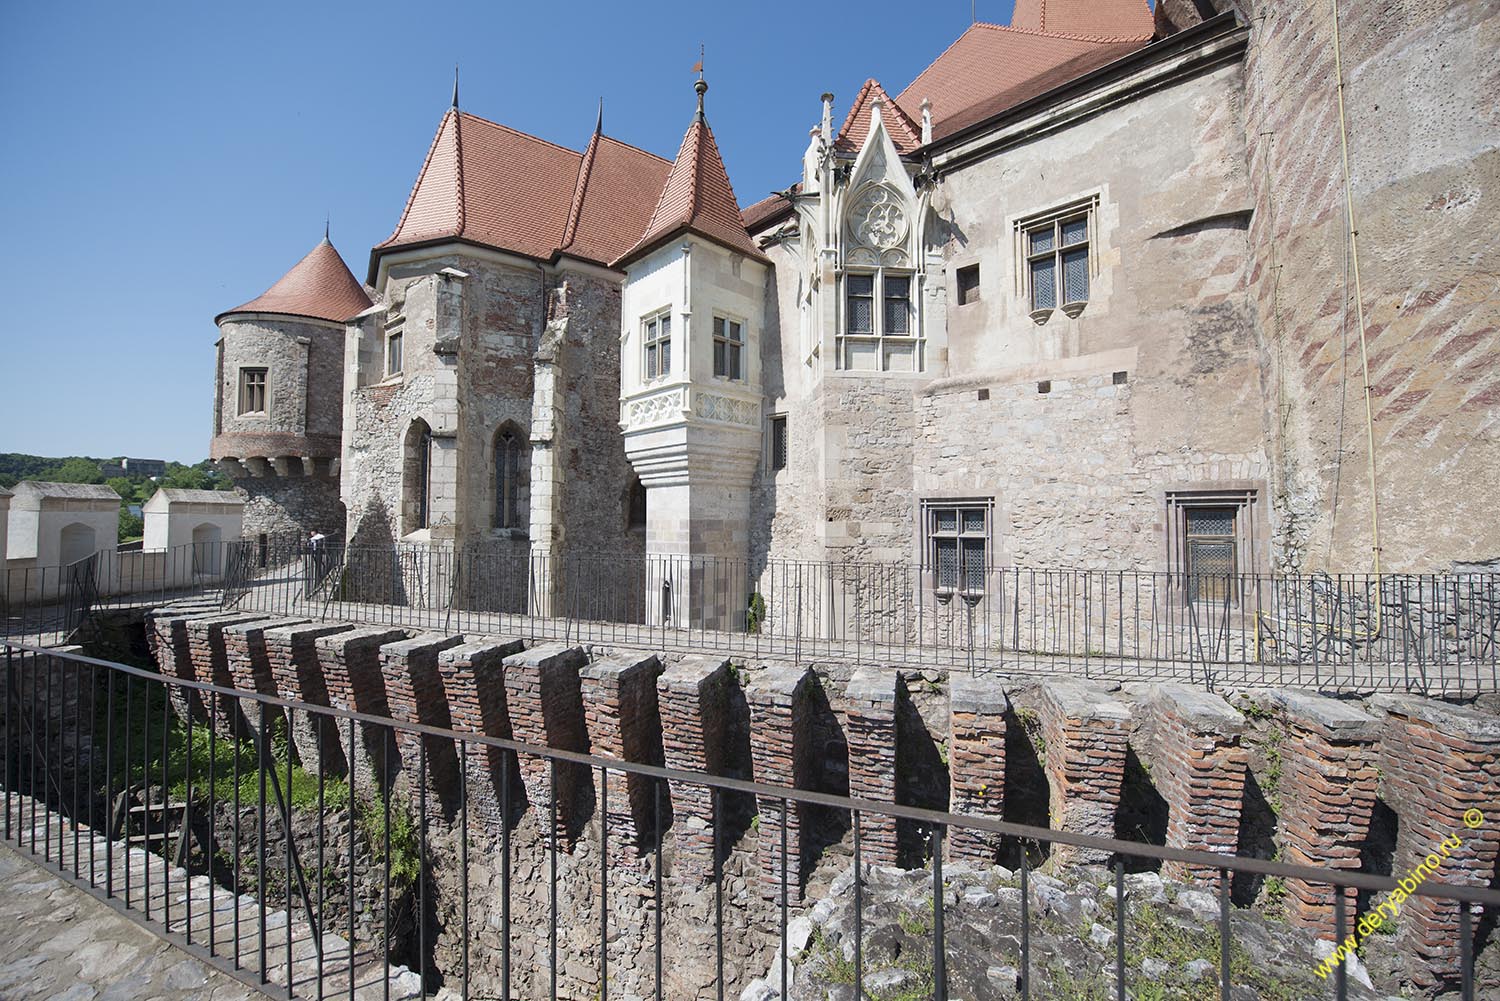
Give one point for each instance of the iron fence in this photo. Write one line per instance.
(54, 601)
(88, 761)
(1410, 632)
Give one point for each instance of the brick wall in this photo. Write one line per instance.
(205, 642)
(350, 663)
(624, 722)
(292, 654)
(414, 694)
(693, 699)
(1329, 770)
(870, 727)
(543, 695)
(977, 711)
(1198, 764)
(473, 676)
(250, 669)
(1086, 734)
(780, 748)
(1437, 762)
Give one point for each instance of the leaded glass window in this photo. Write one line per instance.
(729, 346)
(1056, 253)
(958, 540)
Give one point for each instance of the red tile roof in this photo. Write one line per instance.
(772, 207)
(697, 197)
(1105, 20)
(318, 286)
(495, 186)
(905, 132)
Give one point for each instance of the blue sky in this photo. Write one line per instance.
(166, 161)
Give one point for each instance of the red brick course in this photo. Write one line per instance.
(544, 697)
(1087, 734)
(624, 722)
(977, 711)
(473, 676)
(780, 755)
(870, 728)
(693, 699)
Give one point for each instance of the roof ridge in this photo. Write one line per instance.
(580, 191)
(859, 100)
(458, 171)
(518, 132)
(1071, 36)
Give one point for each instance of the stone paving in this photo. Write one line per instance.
(171, 899)
(63, 945)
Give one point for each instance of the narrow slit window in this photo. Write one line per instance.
(778, 442)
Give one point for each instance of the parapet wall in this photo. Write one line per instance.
(1429, 762)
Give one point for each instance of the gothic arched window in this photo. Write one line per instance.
(417, 477)
(511, 468)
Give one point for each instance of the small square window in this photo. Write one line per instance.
(1121, 378)
(1045, 386)
(968, 284)
(252, 391)
(957, 547)
(393, 359)
(983, 394)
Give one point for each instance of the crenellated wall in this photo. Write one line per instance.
(1203, 757)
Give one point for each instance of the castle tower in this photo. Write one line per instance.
(278, 402)
(692, 313)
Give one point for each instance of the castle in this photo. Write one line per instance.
(1081, 294)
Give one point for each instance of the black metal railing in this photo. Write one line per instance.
(94, 750)
(54, 601)
(1409, 632)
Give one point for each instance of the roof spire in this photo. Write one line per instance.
(455, 86)
(702, 85)
(599, 122)
(326, 217)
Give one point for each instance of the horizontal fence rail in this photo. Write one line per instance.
(89, 771)
(1408, 632)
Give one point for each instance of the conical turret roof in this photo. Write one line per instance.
(697, 198)
(319, 286)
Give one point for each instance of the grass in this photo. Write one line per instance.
(150, 719)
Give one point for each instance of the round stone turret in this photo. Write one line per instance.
(278, 405)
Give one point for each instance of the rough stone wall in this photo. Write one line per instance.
(1086, 735)
(977, 720)
(1198, 766)
(1438, 763)
(290, 505)
(1424, 162)
(596, 474)
(304, 363)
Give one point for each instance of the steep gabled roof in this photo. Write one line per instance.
(489, 184)
(996, 66)
(318, 286)
(698, 198)
(904, 132)
(609, 212)
(1102, 20)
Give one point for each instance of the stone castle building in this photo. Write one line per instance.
(1081, 294)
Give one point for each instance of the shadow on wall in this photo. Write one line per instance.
(921, 778)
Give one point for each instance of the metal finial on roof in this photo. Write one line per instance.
(702, 85)
(455, 86)
(326, 217)
(599, 122)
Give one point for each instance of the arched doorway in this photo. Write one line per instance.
(77, 543)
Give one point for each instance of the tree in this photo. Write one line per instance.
(76, 470)
(132, 526)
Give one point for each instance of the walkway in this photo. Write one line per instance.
(61, 944)
(47, 852)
